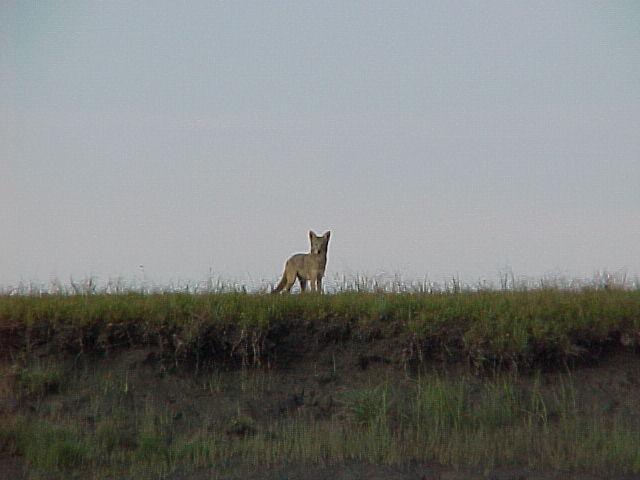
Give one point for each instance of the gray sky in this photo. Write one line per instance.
(432, 138)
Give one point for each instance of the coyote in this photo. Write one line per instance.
(306, 267)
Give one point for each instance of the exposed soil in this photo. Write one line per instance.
(11, 468)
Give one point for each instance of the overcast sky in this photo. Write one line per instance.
(431, 138)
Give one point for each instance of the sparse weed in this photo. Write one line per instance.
(369, 406)
(50, 447)
(440, 406)
(38, 379)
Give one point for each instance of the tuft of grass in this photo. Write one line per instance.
(37, 380)
(112, 435)
(368, 406)
(151, 448)
(49, 447)
(241, 425)
(439, 406)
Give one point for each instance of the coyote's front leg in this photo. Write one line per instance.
(316, 283)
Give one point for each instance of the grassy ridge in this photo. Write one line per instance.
(524, 328)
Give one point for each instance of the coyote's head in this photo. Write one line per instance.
(319, 244)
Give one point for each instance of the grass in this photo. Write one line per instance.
(487, 328)
(76, 419)
(45, 446)
(38, 380)
(461, 422)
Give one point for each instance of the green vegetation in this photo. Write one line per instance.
(486, 328)
(38, 380)
(462, 422)
(147, 386)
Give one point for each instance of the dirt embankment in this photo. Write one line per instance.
(202, 344)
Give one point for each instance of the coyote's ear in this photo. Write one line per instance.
(312, 234)
(327, 234)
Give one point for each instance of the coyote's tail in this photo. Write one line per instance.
(280, 285)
